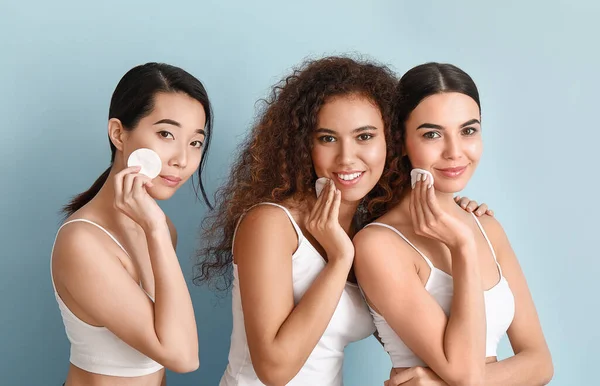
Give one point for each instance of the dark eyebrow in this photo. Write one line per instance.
(471, 122)
(175, 123)
(168, 122)
(357, 130)
(438, 127)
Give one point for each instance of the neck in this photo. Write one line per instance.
(445, 201)
(104, 204)
(346, 214)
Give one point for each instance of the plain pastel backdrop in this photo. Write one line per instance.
(536, 64)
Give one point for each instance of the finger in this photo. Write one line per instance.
(120, 176)
(479, 211)
(472, 206)
(419, 203)
(334, 214)
(402, 377)
(457, 199)
(463, 202)
(431, 204)
(423, 193)
(326, 208)
(139, 181)
(320, 200)
(490, 212)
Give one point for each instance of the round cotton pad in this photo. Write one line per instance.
(148, 160)
(320, 184)
(415, 172)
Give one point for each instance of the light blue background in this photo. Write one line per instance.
(536, 64)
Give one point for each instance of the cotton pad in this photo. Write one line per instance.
(320, 184)
(415, 172)
(148, 160)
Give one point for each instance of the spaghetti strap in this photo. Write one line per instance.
(488, 242)
(429, 263)
(287, 212)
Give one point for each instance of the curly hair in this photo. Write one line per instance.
(274, 163)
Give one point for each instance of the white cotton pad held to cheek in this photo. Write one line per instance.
(320, 184)
(415, 172)
(148, 160)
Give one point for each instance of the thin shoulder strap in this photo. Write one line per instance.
(98, 226)
(488, 241)
(287, 212)
(429, 263)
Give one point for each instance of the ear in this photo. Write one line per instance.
(116, 133)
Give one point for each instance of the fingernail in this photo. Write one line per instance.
(424, 177)
(419, 177)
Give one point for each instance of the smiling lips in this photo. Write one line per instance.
(452, 172)
(171, 180)
(349, 178)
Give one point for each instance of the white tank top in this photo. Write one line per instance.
(351, 322)
(499, 309)
(96, 349)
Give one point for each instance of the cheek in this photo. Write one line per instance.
(420, 154)
(321, 159)
(474, 150)
(374, 156)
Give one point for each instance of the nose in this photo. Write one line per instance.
(179, 157)
(346, 153)
(452, 148)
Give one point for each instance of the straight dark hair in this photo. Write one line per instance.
(133, 99)
(415, 85)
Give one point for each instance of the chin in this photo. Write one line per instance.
(450, 187)
(353, 195)
(161, 193)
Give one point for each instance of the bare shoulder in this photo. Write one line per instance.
(81, 245)
(493, 229)
(381, 242)
(264, 226)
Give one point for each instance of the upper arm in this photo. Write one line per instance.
(100, 286)
(525, 332)
(264, 243)
(173, 232)
(384, 266)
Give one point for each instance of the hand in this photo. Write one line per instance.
(472, 206)
(132, 199)
(323, 223)
(431, 221)
(415, 376)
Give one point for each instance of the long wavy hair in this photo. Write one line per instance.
(274, 163)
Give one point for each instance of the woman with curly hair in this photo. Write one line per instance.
(295, 302)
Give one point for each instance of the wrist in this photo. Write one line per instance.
(154, 228)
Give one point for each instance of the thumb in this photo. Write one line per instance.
(401, 377)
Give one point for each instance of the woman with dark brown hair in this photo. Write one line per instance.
(295, 302)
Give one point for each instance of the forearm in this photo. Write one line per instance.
(174, 319)
(464, 338)
(304, 327)
(522, 369)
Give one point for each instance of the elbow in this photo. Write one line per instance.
(474, 376)
(184, 363)
(273, 370)
(547, 370)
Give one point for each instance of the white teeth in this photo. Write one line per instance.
(349, 177)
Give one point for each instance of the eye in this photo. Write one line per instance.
(327, 138)
(469, 131)
(197, 144)
(165, 134)
(432, 135)
(365, 137)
